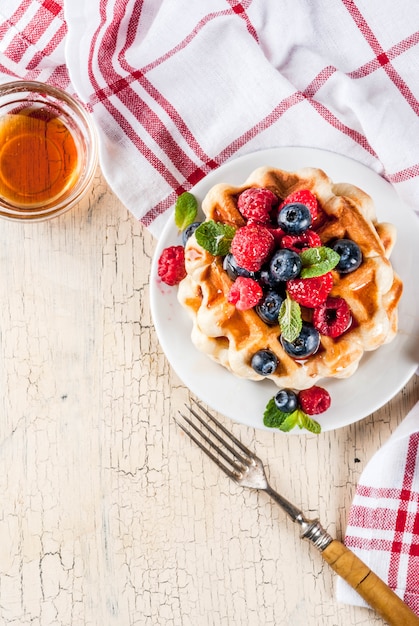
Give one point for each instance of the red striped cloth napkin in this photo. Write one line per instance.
(383, 526)
(179, 87)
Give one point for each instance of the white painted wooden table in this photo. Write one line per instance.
(108, 515)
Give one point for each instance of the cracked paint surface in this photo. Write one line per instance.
(108, 515)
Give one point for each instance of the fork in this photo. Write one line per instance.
(247, 470)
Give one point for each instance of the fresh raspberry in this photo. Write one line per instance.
(251, 246)
(278, 234)
(298, 243)
(310, 292)
(332, 317)
(245, 293)
(256, 204)
(304, 196)
(314, 400)
(171, 265)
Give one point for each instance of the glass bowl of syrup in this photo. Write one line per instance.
(48, 151)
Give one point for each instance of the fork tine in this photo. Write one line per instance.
(208, 452)
(224, 443)
(239, 466)
(224, 430)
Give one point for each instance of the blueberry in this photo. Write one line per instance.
(234, 270)
(268, 307)
(286, 400)
(189, 230)
(285, 265)
(306, 343)
(267, 281)
(294, 218)
(264, 362)
(350, 255)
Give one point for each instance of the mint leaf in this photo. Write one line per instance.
(302, 420)
(311, 425)
(289, 422)
(305, 421)
(273, 417)
(186, 209)
(215, 237)
(318, 261)
(290, 319)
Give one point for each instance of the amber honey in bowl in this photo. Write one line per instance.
(47, 151)
(38, 158)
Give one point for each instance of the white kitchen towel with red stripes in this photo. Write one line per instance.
(32, 42)
(383, 526)
(179, 87)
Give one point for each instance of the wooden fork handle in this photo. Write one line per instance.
(369, 586)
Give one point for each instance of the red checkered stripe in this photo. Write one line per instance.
(191, 168)
(383, 59)
(32, 42)
(396, 512)
(120, 85)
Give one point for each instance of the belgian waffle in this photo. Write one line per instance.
(231, 337)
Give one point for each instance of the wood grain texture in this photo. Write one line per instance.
(108, 515)
(370, 587)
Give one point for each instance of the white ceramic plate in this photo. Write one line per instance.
(381, 374)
